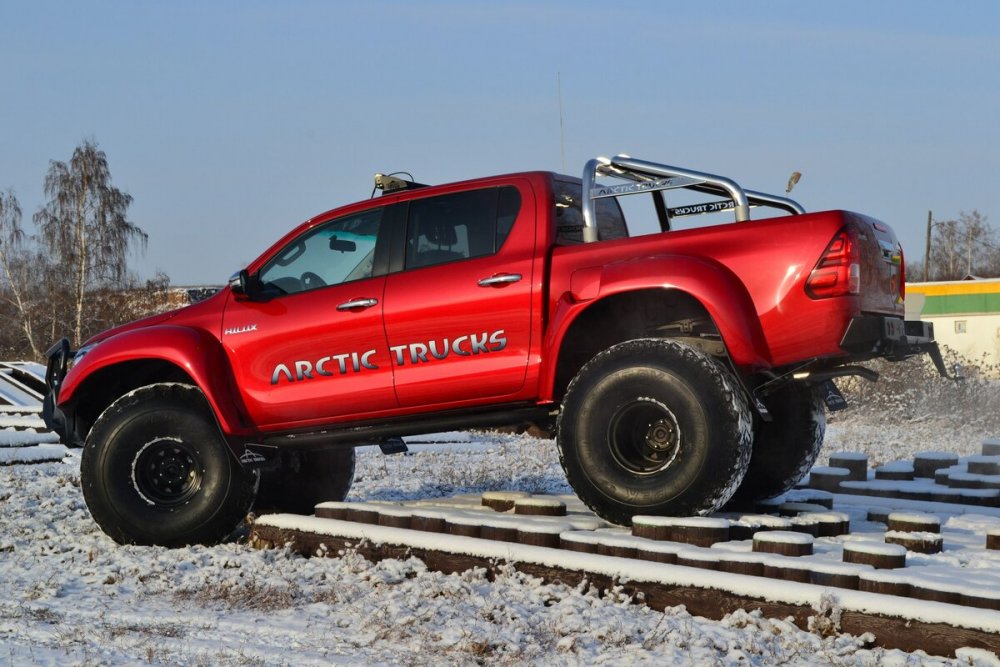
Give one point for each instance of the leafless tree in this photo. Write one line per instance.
(84, 228)
(18, 287)
(964, 246)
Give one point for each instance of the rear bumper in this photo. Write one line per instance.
(892, 338)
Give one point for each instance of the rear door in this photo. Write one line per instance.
(315, 351)
(458, 314)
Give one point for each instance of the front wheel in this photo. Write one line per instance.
(156, 471)
(654, 426)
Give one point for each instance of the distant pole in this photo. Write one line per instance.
(562, 135)
(927, 250)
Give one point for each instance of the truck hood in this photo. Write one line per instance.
(159, 318)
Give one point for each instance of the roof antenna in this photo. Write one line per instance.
(562, 135)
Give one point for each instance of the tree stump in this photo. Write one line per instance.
(828, 478)
(783, 542)
(540, 506)
(993, 538)
(541, 534)
(581, 541)
(700, 531)
(914, 522)
(991, 447)
(431, 521)
(984, 465)
(652, 527)
(925, 463)
(332, 510)
(702, 559)
(394, 517)
(896, 470)
(879, 556)
(921, 543)
(856, 464)
(828, 524)
(463, 526)
(885, 584)
(502, 501)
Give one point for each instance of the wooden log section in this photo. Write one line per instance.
(828, 478)
(540, 507)
(922, 543)
(914, 522)
(993, 538)
(897, 470)
(879, 556)
(502, 501)
(926, 463)
(783, 542)
(984, 465)
(905, 634)
(991, 447)
(855, 463)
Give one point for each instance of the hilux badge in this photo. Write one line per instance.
(232, 331)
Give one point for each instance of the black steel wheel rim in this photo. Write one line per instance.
(168, 472)
(643, 436)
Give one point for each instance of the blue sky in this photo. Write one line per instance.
(230, 122)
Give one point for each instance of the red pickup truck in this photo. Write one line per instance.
(680, 369)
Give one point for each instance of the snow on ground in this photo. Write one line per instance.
(69, 595)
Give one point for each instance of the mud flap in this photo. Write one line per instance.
(834, 400)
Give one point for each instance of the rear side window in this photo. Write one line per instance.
(459, 226)
(569, 215)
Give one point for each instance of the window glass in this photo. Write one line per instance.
(336, 252)
(460, 225)
(569, 215)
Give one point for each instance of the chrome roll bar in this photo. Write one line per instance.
(653, 177)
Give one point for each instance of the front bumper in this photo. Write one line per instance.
(59, 356)
(892, 338)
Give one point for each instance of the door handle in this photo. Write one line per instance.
(357, 303)
(500, 279)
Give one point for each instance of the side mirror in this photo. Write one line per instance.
(241, 284)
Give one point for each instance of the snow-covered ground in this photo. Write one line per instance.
(69, 595)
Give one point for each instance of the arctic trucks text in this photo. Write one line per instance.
(680, 369)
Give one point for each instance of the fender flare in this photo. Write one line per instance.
(713, 285)
(196, 352)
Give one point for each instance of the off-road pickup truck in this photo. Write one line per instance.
(680, 369)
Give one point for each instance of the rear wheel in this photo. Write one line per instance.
(785, 448)
(654, 426)
(304, 478)
(155, 470)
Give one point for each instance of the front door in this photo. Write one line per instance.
(313, 350)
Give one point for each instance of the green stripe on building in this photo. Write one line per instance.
(954, 304)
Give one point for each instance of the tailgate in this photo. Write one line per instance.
(881, 259)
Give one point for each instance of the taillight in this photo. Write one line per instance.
(838, 271)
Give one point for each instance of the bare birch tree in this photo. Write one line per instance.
(84, 228)
(18, 284)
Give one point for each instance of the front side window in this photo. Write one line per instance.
(335, 252)
(460, 225)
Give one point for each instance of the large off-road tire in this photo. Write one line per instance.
(654, 426)
(304, 478)
(785, 448)
(156, 470)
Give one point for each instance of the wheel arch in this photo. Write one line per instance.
(699, 292)
(147, 356)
